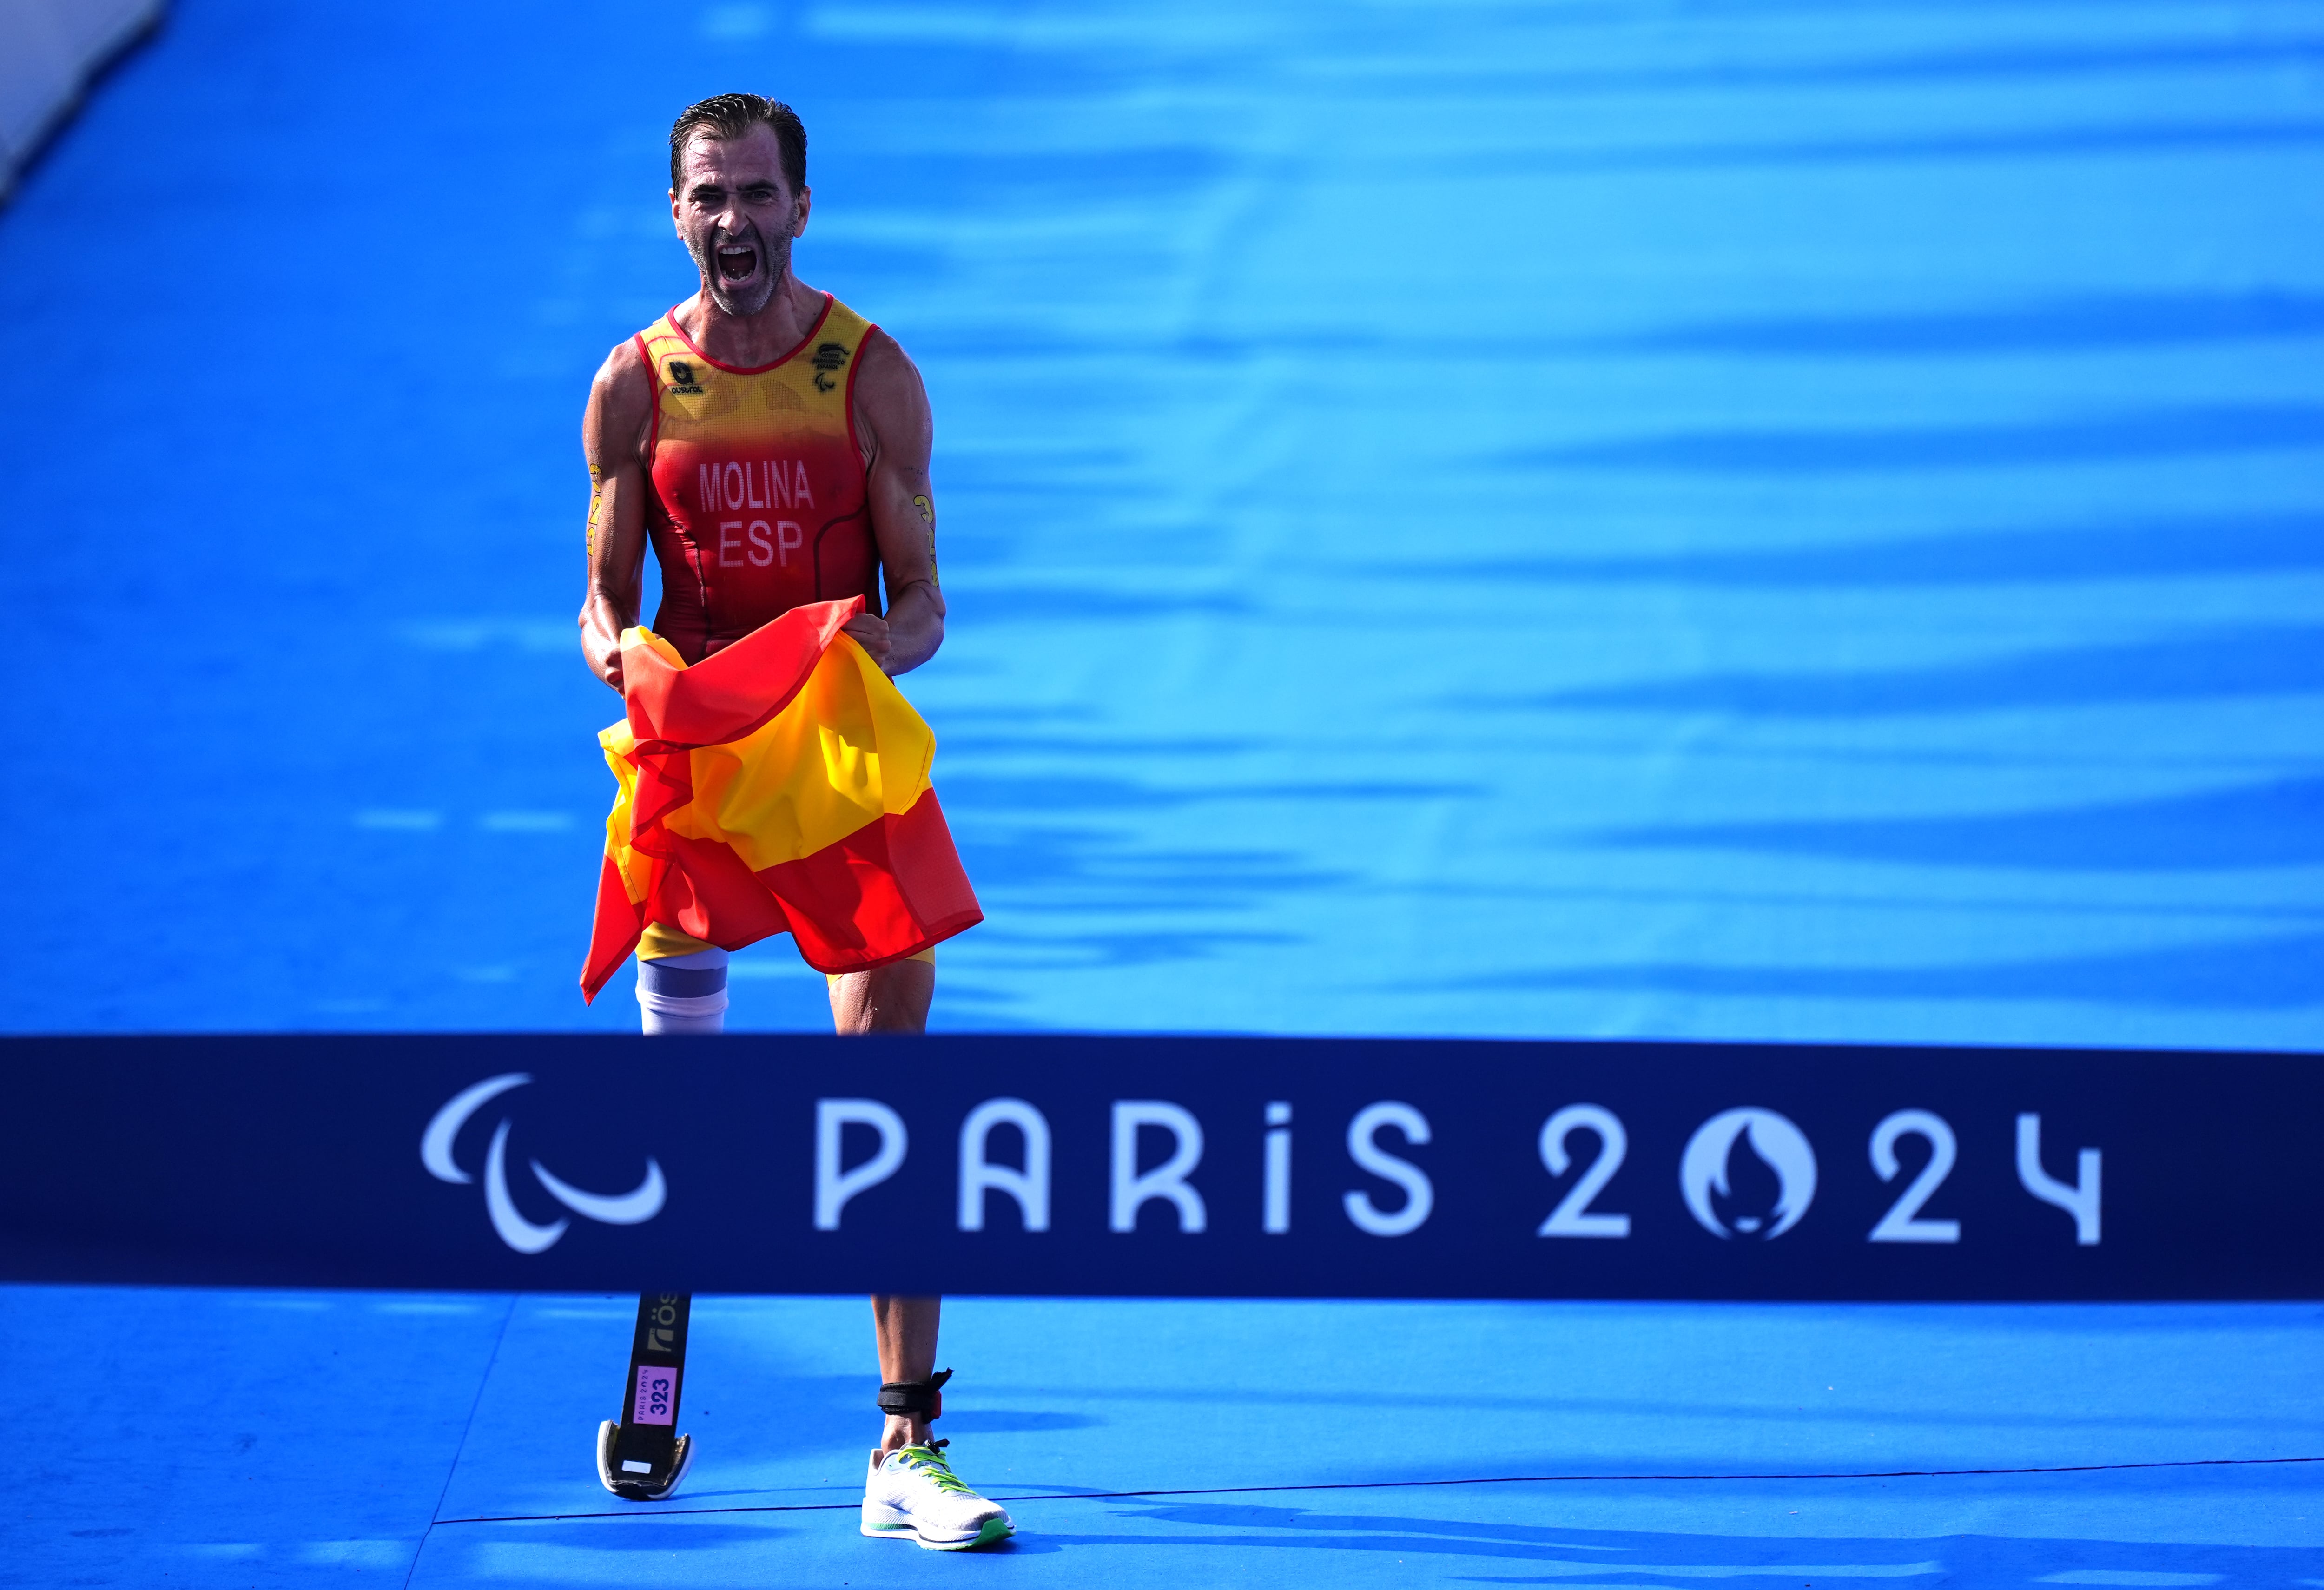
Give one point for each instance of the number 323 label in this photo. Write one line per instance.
(655, 1401)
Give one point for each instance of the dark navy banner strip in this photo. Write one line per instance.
(1163, 1167)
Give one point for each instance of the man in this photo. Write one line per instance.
(774, 448)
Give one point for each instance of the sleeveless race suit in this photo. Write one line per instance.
(760, 501)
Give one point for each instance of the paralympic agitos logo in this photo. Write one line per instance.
(641, 1204)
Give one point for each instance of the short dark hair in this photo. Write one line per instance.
(732, 115)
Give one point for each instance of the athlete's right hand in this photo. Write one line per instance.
(870, 631)
(605, 657)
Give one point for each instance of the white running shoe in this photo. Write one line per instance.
(914, 1495)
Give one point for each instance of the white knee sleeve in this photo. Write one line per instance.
(683, 995)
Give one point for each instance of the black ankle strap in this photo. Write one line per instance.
(913, 1398)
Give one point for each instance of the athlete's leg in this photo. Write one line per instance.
(892, 998)
(640, 1457)
(910, 1491)
(906, 1330)
(682, 994)
(895, 999)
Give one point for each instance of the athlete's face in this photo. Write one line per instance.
(737, 216)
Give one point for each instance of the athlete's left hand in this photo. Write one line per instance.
(871, 632)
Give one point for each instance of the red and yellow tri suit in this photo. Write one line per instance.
(760, 503)
(784, 788)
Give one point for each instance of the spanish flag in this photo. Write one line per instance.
(779, 786)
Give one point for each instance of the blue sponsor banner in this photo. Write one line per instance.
(1167, 1166)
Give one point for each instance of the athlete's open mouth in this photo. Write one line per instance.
(736, 264)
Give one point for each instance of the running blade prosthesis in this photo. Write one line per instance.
(642, 1458)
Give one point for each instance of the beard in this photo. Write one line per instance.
(747, 297)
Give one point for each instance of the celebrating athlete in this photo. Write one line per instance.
(772, 446)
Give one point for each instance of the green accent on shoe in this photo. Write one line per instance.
(928, 1461)
(993, 1530)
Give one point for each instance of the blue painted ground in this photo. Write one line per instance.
(1694, 519)
(1775, 521)
(279, 1438)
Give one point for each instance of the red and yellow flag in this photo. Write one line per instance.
(778, 786)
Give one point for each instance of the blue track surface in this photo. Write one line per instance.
(272, 1437)
(1790, 520)
(1779, 521)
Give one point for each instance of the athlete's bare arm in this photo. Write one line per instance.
(896, 433)
(614, 439)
